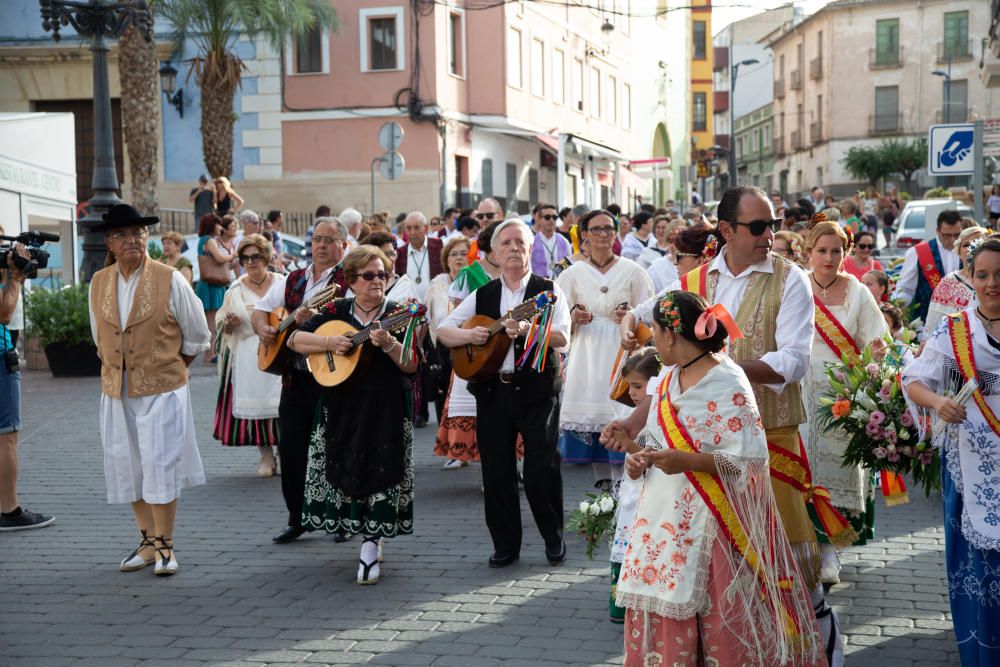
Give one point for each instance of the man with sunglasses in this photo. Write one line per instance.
(549, 248)
(489, 210)
(772, 303)
(299, 391)
(926, 263)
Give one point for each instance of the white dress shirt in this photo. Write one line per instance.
(633, 246)
(275, 297)
(418, 268)
(906, 286)
(183, 305)
(796, 316)
(509, 298)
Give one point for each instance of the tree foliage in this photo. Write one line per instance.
(215, 26)
(873, 163)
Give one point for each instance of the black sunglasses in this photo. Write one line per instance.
(246, 259)
(757, 227)
(550, 217)
(865, 246)
(372, 275)
(485, 216)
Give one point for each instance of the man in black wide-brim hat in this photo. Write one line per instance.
(149, 326)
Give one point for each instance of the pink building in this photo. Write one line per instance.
(492, 102)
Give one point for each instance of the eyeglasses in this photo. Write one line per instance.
(136, 235)
(757, 227)
(601, 231)
(865, 246)
(326, 239)
(248, 259)
(485, 216)
(550, 217)
(372, 275)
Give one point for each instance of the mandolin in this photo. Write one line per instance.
(619, 387)
(331, 369)
(274, 358)
(480, 362)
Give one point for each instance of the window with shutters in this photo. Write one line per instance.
(486, 176)
(699, 40)
(537, 68)
(383, 42)
(886, 108)
(887, 42)
(699, 112)
(558, 76)
(515, 75)
(309, 52)
(456, 43)
(956, 35)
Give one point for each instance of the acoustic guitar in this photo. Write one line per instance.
(480, 362)
(274, 358)
(619, 387)
(331, 369)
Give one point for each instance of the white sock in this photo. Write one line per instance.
(829, 628)
(369, 550)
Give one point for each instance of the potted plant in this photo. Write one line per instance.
(61, 319)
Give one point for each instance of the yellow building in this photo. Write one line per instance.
(702, 104)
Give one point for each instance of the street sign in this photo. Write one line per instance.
(391, 165)
(951, 149)
(390, 136)
(991, 138)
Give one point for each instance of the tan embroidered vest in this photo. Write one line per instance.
(148, 347)
(757, 318)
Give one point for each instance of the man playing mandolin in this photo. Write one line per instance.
(517, 399)
(299, 392)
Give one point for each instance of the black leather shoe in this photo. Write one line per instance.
(503, 560)
(556, 555)
(288, 534)
(419, 422)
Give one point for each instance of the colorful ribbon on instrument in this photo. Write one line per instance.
(538, 340)
(893, 488)
(708, 321)
(410, 336)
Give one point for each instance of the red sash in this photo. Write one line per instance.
(833, 333)
(696, 281)
(925, 259)
(710, 488)
(961, 345)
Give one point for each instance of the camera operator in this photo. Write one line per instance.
(12, 515)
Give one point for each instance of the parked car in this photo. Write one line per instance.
(294, 248)
(911, 227)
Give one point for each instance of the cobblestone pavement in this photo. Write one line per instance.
(240, 600)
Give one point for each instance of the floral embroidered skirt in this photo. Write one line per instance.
(232, 431)
(387, 513)
(973, 584)
(456, 438)
(707, 639)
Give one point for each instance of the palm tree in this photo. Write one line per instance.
(215, 26)
(140, 85)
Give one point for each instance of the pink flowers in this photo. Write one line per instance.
(877, 418)
(906, 419)
(880, 452)
(872, 370)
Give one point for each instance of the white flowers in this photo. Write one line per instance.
(595, 508)
(607, 504)
(584, 506)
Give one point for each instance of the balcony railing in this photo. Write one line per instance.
(796, 80)
(779, 89)
(955, 114)
(816, 69)
(885, 59)
(779, 146)
(815, 132)
(885, 123)
(957, 50)
(796, 140)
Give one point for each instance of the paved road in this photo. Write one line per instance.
(240, 600)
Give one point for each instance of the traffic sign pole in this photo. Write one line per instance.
(977, 176)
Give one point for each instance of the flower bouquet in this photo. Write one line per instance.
(594, 520)
(865, 401)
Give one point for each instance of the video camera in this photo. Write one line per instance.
(37, 257)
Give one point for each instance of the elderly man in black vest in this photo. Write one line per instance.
(516, 400)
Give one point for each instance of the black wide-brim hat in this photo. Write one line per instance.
(121, 216)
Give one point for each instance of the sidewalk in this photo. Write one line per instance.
(240, 600)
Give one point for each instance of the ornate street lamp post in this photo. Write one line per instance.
(99, 20)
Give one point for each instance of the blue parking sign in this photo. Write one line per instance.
(951, 149)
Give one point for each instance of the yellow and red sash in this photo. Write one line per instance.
(696, 281)
(961, 345)
(710, 488)
(833, 333)
(925, 260)
(793, 469)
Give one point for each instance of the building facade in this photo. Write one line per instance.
(524, 102)
(860, 71)
(755, 148)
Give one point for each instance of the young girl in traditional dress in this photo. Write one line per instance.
(964, 346)
(709, 576)
(637, 371)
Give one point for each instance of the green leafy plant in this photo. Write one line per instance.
(867, 163)
(594, 520)
(154, 250)
(60, 315)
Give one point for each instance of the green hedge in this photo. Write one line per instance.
(60, 315)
